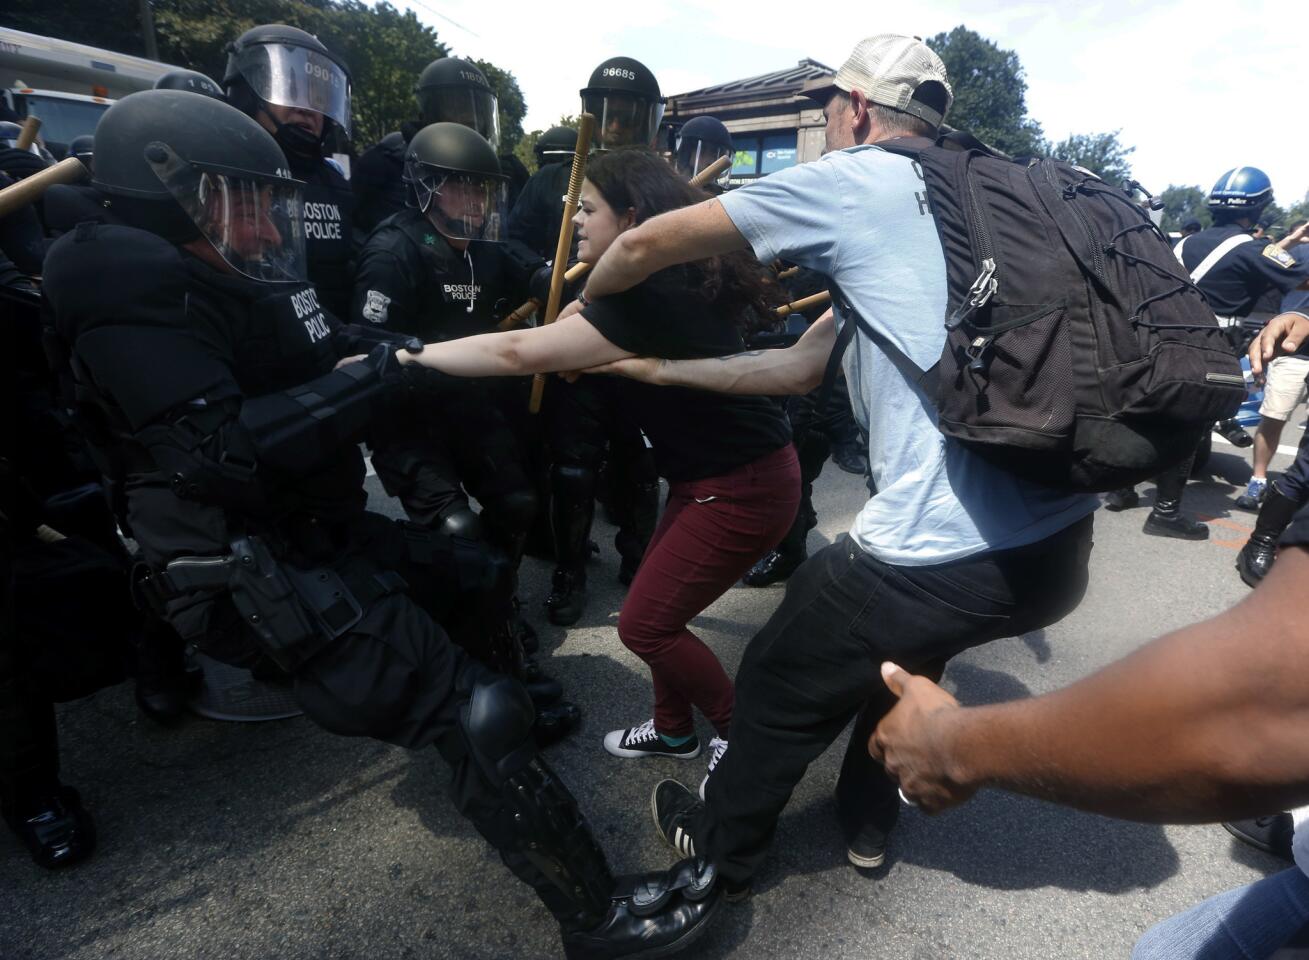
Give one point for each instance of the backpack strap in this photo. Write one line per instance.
(925, 380)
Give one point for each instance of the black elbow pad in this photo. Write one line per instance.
(299, 430)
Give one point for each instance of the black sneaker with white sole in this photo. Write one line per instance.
(675, 810)
(867, 849)
(717, 747)
(644, 741)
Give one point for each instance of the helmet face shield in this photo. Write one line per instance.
(463, 206)
(298, 78)
(695, 155)
(473, 107)
(254, 221)
(622, 119)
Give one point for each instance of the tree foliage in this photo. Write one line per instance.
(990, 94)
(384, 47)
(525, 151)
(1183, 204)
(1101, 153)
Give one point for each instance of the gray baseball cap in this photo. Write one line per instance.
(894, 71)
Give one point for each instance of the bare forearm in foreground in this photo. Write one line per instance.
(1203, 724)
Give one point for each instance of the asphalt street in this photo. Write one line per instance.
(227, 841)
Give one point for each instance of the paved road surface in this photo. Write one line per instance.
(277, 840)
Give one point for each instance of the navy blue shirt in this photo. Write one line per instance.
(1246, 272)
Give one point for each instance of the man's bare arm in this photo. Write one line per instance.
(679, 236)
(1200, 725)
(795, 370)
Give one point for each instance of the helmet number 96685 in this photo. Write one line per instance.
(620, 72)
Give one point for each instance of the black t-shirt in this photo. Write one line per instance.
(695, 434)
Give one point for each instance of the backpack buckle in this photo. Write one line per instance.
(982, 290)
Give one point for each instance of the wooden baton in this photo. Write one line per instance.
(23, 192)
(817, 299)
(578, 270)
(30, 127)
(565, 243)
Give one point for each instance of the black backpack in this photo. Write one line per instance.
(1078, 354)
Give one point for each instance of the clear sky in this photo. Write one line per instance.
(1197, 87)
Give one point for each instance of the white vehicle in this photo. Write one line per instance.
(68, 85)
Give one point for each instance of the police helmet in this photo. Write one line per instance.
(454, 178)
(1244, 189)
(556, 144)
(623, 96)
(83, 148)
(700, 142)
(167, 158)
(192, 80)
(287, 67)
(451, 90)
(10, 132)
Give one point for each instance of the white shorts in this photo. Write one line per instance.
(1284, 387)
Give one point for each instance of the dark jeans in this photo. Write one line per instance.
(816, 664)
(1294, 484)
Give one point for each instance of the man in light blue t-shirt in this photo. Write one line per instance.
(951, 552)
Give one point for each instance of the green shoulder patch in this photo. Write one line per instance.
(1279, 256)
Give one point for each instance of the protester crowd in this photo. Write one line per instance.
(214, 328)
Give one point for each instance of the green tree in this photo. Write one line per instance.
(525, 150)
(1101, 153)
(1182, 204)
(990, 93)
(512, 106)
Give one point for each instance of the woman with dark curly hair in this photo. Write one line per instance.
(734, 483)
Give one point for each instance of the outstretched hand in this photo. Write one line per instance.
(912, 742)
(1282, 335)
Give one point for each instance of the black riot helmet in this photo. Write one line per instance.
(287, 67)
(454, 178)
(555, 145)
(184, 166)
(700, 142)
(191, 80)
(623, 96)
(451, 90)
(83, 148)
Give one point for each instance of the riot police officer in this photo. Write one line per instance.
(1233, 270)
(700, 142)
(435, 271)
(449, 90)
(211, 365)
(299, 92)
(193, 81)
(584, 425)
(555, 146)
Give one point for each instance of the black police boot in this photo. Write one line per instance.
(1167, 519)
(850, 458)
(567, 600)
(1234, 433)
(542, 688)
(651, 915)
(55, 827)
(555, 722)
(1256, 557)
(1123, 499)
(165, 682)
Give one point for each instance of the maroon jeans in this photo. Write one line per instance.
(711, 532)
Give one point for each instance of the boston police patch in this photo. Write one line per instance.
(1279, 256)
(375, 306)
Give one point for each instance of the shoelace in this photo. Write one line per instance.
(719, 747)
(642, 734)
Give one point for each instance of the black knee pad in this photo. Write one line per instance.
(497, 720)
(573, 481)
(462, 522)
(514, 511)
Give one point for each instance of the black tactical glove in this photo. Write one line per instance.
(20, 163)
